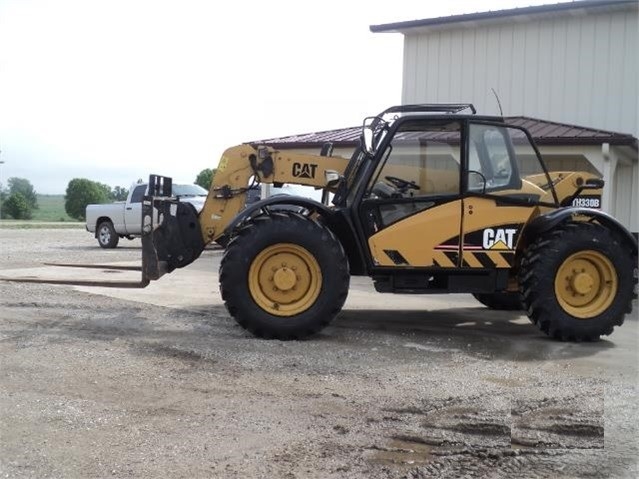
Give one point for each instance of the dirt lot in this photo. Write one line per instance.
(163, 383)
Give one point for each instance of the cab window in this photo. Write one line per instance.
(423, 159)
(419, 169)
(490, 159)
(138, 194)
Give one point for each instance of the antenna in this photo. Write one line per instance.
(501, 112)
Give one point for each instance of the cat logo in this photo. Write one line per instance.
(304, 170)
(500, 238)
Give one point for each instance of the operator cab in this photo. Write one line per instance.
(421, 156)
(435, 173)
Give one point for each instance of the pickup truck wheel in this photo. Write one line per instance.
(284, 276)
(106, 235)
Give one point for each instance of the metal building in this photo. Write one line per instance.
(572, 63)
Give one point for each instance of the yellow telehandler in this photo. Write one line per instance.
(436, 199)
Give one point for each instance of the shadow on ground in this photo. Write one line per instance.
(476, 332)
(496, 334)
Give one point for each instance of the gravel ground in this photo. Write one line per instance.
(94, 386)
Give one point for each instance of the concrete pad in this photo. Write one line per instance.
(197, 285)
(183, 288)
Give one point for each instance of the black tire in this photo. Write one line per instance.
(506, 301)
(223, 240)
(106, 235)
(284, 233)
(557, 254)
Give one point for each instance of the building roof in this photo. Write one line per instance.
(543, 132)
(546, 132)
(534, 12)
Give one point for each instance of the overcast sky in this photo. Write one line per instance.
(115, 90)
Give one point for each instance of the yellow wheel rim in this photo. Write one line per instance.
(285, 279)
(586, 284)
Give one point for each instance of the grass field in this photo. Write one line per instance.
(35, 225)
(51, 208)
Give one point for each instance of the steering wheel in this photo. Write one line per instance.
(401, 184)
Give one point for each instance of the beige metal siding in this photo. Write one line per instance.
(625, 182)
(579, 69)
(570, 163)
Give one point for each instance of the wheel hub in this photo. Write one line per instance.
(586, 284)
(582, 283)
(285, 279)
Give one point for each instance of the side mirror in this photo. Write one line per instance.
(368, 135)
(368, 140)
(332, 178)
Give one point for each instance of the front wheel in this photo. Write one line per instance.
(284, 276)
(106, 235)
(577, 282)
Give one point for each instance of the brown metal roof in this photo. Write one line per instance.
(343, 137)
(547, 132)
(532, 12)
(544, 133)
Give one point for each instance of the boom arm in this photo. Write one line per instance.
(228, 191)
(174, 235)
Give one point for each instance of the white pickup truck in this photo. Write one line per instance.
(123, 219)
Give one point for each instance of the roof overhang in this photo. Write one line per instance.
(544, 132)
(524, 14)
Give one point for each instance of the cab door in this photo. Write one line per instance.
(412, 208)
(133, 211)
(498, 199)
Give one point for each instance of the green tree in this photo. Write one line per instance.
(18, 207)
(82, 192)
(24, 187)
(120, 194)
(205, 178)
(107, 190)
(3, 197)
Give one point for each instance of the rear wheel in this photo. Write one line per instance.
(506, 301)
(577, 282)
(106, 235)
(284, 276)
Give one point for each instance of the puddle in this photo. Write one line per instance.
(511, 383)
(425, 347)
(403, 452)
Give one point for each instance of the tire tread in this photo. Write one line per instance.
(234, 256)
(537, 272)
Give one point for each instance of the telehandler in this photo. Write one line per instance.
(436, 199)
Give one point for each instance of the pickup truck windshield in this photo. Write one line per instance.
(189, 190)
